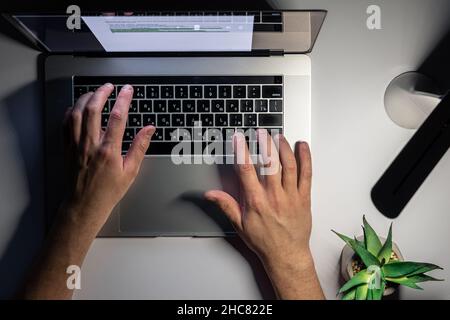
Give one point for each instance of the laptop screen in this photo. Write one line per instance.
(172, 33)
(158, 32)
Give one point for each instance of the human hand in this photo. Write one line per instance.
(274, 216)
(98, 174)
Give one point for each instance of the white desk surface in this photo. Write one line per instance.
(353, 143)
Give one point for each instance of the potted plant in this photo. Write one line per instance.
(373, 269)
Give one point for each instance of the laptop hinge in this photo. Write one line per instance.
(276, 52)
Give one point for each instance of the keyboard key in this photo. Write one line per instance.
(158, 135)
(174, 105)
(160, 106)
(139, 92)
(228, 133)
(218, 106)
(213, 134)
(232, 105)
(198, 133)
(178, 120)
(93, 88)
(188, 105)
(125, 147)
(135, 120)
(239, 92)
(106, 107)
(133, 107)
(79, 91)
(152, 92)
(195, 92)
(170, 134)
(163, 148)
(191, 119)
(177, 134)
(163, 120)
(203, 106)
(254, 91)
(113, 94)
(235, 119)
(276, 105)
(185, 133)
(129, 134)
(225, 92)
(250, 120)
(210, 92)
(181, 92)
(149, 119)
(145, 106)
(270, 120)
(104, 120)
(261, 106)
(207, 120)
(272, 91)
(221, 120)
(111, 104)
(167, 92)
(273, 17)
(246, 105)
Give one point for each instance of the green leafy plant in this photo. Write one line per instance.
(380, 267)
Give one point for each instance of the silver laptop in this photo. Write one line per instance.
(227, 70)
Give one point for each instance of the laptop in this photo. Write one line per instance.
(227, 70)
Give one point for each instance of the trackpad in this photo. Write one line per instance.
(167, 200)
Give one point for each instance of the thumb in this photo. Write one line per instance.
(228, 205)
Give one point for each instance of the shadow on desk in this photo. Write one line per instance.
(21, 113)
(213, 212)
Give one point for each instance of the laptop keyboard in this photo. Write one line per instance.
(206, 108)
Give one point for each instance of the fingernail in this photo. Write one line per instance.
(149, 132)
(127, 87)
(109, 85)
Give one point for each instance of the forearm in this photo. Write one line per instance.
(295, 278)
(67, 244)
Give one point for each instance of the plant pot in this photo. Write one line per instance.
(348, 256)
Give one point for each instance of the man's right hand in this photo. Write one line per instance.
(274, 216)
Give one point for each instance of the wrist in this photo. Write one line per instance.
(294, 277)
(76, 217)
(297, 262)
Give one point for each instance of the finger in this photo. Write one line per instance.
(288, 164)
(90, 131)
(77, 116)
(138, 148)
(304, 164)
(228, 205)
(118, 118)
(245, 169)
(270, 158)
